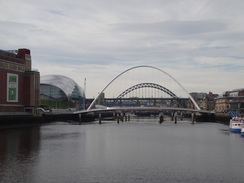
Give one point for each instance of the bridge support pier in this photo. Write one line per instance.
(124, 117)
(100, 118)
(80, 118)
(172, 116)
(193, 116)
(175, 117)
(117, 117)
(114, 115)
(181, 116)
(161, 118)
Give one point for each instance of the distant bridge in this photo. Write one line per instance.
(146, 85)
(159, 109)
(121, 97)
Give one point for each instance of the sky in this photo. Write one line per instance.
(198, 42)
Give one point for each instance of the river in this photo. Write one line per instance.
(138, 151)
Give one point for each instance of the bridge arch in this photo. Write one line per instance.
(147, 85)
(141, 66)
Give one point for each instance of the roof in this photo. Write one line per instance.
(66, 84)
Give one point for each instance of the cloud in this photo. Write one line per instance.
(174, 28)
(198, 42)
(219, 61)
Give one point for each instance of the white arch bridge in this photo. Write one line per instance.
(138, 67)
(122, 111)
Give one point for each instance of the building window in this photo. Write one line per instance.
(12, 87)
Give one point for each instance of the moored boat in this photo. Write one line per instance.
(235, 124)
(242, 129)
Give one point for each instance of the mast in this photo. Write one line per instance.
(84, 96)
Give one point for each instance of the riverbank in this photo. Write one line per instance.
(215, 117)
(16, 120)
(222, 117)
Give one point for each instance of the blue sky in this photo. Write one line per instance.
(199, 42)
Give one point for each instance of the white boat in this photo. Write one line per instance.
(235, 124)
(242, 129)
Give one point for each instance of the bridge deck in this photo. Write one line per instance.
(130, 109)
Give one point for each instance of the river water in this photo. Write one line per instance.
(141, 150)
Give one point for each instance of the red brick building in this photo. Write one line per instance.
(19, 85)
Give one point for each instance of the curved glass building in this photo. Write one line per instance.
(58, 88)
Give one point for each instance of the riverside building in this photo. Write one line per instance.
(19, 84)
(61, 92)
(231, 101)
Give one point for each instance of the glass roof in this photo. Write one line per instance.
(66, 84)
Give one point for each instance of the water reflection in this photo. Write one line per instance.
(18, 152)
(138, 151)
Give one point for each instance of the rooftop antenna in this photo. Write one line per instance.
(84, 96)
